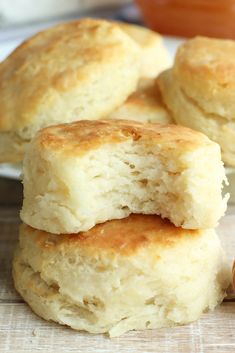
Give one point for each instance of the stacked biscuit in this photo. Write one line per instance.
(199, 91)
(118, 215)
(98, 253)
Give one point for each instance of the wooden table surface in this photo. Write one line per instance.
(23, 331)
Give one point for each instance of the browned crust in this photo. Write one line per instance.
(82, 136)
(206, 59)
(124, 236)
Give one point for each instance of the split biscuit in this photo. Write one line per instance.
(87, 172)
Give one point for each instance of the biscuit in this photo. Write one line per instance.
(79, 174)
(186, 112)
(78, 70)
(144, 105)
(132, 274)
(199, 90)
(205, 68)
(155, 57)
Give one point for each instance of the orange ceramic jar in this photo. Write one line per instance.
(214, 18)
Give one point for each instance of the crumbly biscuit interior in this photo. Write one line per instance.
(64, 195)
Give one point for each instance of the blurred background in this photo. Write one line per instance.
(175, 17)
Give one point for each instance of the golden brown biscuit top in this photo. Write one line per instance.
(82, 136)
(124, 236)
(54, 61)
(203, 58)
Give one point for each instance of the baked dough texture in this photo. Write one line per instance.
(144, 105)
(131, 274)
(155, 57)
(199, 90)
(205, 67)
(78, 70)
(79, 174)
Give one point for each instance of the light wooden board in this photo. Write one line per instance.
(23, 331)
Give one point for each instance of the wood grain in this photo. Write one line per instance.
(23, 331)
